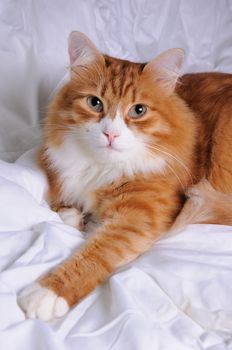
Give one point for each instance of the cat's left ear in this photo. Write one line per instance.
(166, 68)
(81, 50)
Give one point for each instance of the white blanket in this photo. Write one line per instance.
(175, 297)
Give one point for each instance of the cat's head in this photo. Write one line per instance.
(119, 111)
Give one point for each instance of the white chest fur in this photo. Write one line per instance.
(82, 175)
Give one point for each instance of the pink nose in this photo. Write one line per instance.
(110, 136)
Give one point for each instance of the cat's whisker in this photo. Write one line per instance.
(173, 171)
(176, 156)
(178, 178)
(69, 130)
(152, 147)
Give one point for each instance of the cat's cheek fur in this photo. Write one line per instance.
(43, 303)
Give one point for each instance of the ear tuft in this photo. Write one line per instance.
(166, 68)
(81, 49)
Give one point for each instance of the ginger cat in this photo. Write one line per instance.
(122, 148)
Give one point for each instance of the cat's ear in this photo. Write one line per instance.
(166, 68)
(81, 50)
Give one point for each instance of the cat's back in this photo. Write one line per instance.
(209, 95)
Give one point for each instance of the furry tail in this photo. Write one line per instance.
(204, 205)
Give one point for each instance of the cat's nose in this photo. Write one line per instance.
(110, 136)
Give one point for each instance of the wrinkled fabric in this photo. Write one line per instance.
(34, 59)
(176, 296)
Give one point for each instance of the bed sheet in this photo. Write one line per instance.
(176, 296)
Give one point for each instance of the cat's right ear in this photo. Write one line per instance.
(82, 51)
(166, 68)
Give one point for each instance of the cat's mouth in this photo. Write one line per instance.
(111, 148)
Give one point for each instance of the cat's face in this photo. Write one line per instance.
(105, 110)
(115, 110)
(112, 113)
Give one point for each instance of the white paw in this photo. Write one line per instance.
(42, 303)
(71, 216)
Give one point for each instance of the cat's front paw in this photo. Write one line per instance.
(43, 303)
(72, 217)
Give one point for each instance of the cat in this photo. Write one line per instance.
(209, 95)
(123, 144)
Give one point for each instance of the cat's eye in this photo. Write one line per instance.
(95, 103)
(137, 111)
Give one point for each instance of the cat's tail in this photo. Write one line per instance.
(204, 205)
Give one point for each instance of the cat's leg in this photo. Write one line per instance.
(70, 215)
(113, 245)
(204, 205)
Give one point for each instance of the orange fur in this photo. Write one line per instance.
(134, 211)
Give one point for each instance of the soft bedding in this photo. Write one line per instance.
(178, 295)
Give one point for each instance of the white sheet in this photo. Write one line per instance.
(175, 297)
(33, 48)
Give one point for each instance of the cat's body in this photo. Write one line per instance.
(126, 157)
(209, 95)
